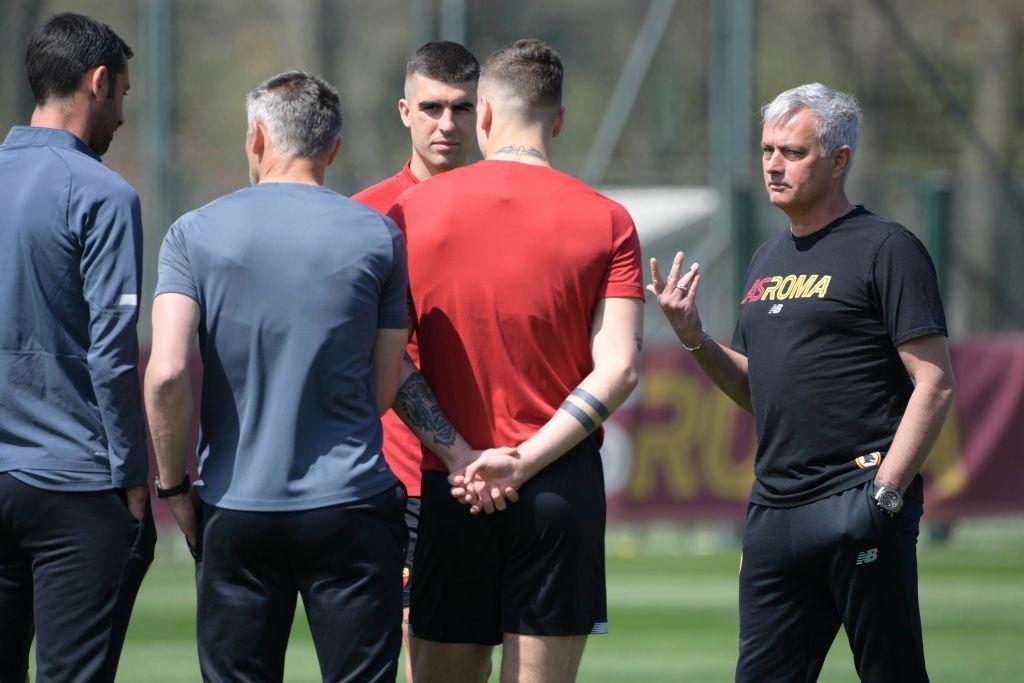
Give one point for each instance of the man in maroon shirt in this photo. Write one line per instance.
(439, 109)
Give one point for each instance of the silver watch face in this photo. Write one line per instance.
(890, 500)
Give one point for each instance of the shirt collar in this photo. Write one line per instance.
(406, 173)
(37, 136)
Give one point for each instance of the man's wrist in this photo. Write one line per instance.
(889, 484)
(887, 496)
(697, 345)
(177, 489)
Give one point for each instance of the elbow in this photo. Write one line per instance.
(165, 379)
(625, 379)
(385, 399)
(946, 390)
(938, 390)
(387, 391)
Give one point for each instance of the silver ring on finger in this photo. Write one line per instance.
(683, 287)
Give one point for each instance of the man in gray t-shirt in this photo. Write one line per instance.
(297, 296)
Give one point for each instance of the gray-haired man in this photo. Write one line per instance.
(298, 296)
(840, 352)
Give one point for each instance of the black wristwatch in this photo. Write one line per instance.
(177, 490)
(888, 499)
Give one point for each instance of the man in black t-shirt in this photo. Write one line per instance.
(840, 353)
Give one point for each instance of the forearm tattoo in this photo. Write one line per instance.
(520, 150)
(418, 408)
(581, 415)
(639, 341)
(591, 400)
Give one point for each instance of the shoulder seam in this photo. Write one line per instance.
(71, 181)
(878, 249)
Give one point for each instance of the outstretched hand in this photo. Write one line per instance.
(677, 297)
(490, 482)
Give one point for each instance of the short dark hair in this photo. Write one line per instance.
(67, 45)
(444, 61)
(531, 69)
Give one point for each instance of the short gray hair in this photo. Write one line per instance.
(836, 113)
(302, 113)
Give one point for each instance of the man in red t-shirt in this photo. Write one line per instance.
(528, 293)
(439, 109)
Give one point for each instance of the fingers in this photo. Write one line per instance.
(497, 497)
(656, 283)
(685, 284)
(484, 494)
(695, 285)
(471, 470)
(677, 266)
(511, 494)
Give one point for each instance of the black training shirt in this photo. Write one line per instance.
(819, 322)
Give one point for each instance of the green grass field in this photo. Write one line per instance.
(672, 600)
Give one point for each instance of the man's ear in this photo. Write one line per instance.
(97, 82)
(841, 161)
(484, 114)
(404, 110)
(257, 139)
(334, 152)
(559, 120)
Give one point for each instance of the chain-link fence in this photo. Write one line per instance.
(941, 147)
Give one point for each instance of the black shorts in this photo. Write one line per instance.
(412, 523)
(536, 568)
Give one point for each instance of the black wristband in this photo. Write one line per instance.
(177, 490)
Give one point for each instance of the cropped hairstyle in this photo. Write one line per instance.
(836, 115)
(301, 113)
(529, 68)
(64, 47)
(444, 61)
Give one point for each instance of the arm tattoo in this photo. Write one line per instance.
(418, 408)
(639, 341)
(520, 150)
(591, 400)
(577, 412)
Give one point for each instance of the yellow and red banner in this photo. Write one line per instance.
(681, 450)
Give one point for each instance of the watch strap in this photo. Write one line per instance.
(175, 490)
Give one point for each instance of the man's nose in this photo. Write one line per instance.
(447, 122)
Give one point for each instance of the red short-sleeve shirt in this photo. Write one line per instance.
(506, 264)
(401, 448)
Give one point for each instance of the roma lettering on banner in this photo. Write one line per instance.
(692, 447)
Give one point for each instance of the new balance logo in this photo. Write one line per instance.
(127, 300)
(776, 308)
(867, 556)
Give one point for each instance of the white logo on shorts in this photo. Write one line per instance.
(867, 556)
(127, 300)
(777, 308)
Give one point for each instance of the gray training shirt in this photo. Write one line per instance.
(293, 282)
(70, 272)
